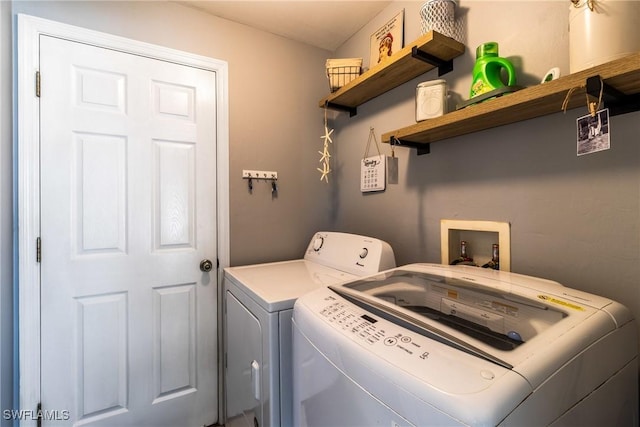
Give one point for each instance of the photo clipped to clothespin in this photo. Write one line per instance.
(373, 168)
(593, 130)
(392, 163)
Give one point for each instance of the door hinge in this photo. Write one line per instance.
(38, 84)
(38, 250)
(39, 415)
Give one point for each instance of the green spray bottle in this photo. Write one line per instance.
(487, 69)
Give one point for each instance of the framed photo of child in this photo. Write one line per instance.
(387, 40)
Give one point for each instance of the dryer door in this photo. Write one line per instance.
(244, 362)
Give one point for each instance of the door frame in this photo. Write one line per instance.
(27, 187)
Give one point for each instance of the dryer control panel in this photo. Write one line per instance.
(359, 255)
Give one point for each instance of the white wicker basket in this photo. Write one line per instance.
(342, 71)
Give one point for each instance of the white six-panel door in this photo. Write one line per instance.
(128, 211)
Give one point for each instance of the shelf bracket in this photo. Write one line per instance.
(421, 147)
(616, 101)
(443, 66)
(351, 110)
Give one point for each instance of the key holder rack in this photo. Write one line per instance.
(616, 101)
(251, 175)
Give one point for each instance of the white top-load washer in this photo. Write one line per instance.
(258, 305)
(436, 345)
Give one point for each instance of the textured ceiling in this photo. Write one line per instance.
(324, 24)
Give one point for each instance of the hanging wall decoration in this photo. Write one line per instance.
(372, 168)
(325, 156)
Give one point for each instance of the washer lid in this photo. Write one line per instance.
(276, 286)
(531, 325)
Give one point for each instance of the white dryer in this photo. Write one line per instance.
(432, 345)
(258, 306)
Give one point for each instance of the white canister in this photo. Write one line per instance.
(431, 99)
(601, 31)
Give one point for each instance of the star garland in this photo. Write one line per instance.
(325, 156)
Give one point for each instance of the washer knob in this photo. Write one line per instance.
(364, 253)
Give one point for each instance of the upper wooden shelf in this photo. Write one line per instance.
(622, 74)
(396, 70)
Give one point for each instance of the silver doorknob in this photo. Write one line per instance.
(206, 265)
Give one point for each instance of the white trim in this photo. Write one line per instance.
(501, 228)
(28, 186)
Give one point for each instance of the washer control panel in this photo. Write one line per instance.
(423, 358)
(370, 330)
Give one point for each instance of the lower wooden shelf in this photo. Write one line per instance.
(622, 74)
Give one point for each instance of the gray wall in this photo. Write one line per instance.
(275, 124)
(573, 219)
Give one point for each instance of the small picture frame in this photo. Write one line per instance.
(593, 133)
(387, 40)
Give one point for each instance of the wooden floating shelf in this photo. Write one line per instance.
(401, 67)
(622, 74)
